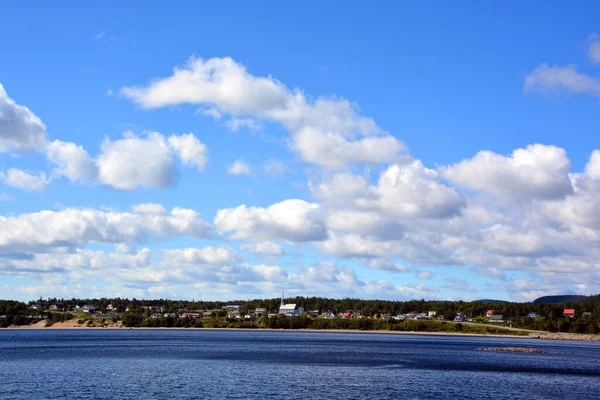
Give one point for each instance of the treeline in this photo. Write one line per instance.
(140, 311)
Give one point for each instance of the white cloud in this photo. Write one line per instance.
(424, 275)
(293, 220)
(594, 49)
(72, 161)
(134, 161)
(234, 124)
(20, 128)
(547, 79)
(71, 227)
(211, 112)
(275, 168)
(240, 167)
(20, 179)
(413, 190)
(536, 172)
(402, 191)
(189, 149)
(5, 197)
(327, 131)
(268, 248)
(206, 255)
(100, 35)
(333, 150)
(150, 209)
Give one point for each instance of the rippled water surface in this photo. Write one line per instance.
(180, 364)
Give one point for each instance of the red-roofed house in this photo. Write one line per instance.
(569, 312)
(489, 313)
(348, 314)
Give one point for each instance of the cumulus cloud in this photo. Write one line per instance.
(325, 131)
(149, 208)
(20, 128)
(548, 79)
(402, 191)
(20, 179)
(137, 161)
(72, 161)
(206, 255)
(293, 220)
(535, 172)
(147, 160)
(268, 248)
(189, 149)
(240, 167)
(66, 229)
(594, 49)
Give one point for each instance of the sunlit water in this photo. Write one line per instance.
(179, 364)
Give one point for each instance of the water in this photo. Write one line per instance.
(180, 364)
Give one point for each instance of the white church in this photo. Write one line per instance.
(290, 310)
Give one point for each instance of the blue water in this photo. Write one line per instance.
(180, 364)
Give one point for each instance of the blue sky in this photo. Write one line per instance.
(386, 151)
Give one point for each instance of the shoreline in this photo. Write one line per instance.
(529, 334)
(352, 331)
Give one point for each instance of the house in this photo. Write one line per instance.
(496, 318)
(37, 307)
(587, 314)
(328, 314)
(192, 315)
(207, 314)
(386, 316)
(260, 311)
(348, 314)
(489, 313)
(56, 307)
(88, 309)
(110, 307)
(569, 312)
(431, 314)
(234, 308)
(533, 314)
(460, 317)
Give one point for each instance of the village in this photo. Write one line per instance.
(240, 312)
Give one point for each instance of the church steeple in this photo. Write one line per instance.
(282, 302)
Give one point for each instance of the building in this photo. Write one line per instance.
(290, 310)
(234, 308)
(88, 309)
(533, 314)
(260, 311)
(496, 318)
(348, 314)
(460, 317)
(569, 312)
(489, 313)
(56, 307)
(431, 314)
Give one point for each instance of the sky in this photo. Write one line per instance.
(391, 150)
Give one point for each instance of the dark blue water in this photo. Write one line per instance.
(179, 364)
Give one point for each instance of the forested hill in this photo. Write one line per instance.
(562, 299)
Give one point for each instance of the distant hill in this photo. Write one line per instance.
(489, 301)
(565, 298)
